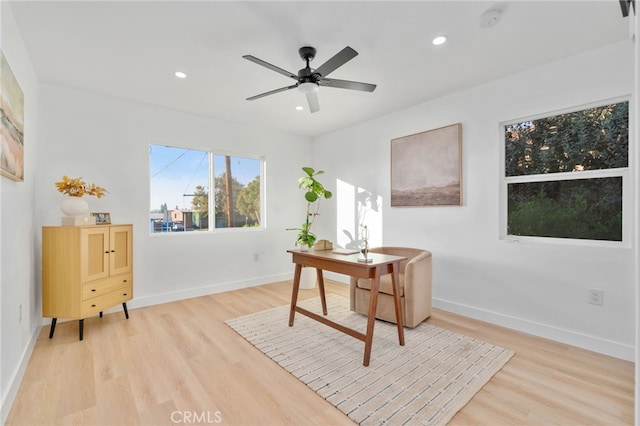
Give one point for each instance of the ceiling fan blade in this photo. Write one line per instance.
(312, 100)
(271, 67)
(346, 84)
(338, 60)
(262, 95)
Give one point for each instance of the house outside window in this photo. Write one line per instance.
(180, 196)
(566, 175)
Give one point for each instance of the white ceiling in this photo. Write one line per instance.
(131, 49)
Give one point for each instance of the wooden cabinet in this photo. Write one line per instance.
(85, 270)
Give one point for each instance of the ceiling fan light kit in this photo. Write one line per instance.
(308, 88)
(309, 80)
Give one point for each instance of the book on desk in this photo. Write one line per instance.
(345, 251)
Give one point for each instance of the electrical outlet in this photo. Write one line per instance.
(596, 296)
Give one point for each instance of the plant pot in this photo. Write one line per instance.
(308, 278)
(74, 206)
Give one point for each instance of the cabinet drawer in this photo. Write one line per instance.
(99, 287)
(106, 301)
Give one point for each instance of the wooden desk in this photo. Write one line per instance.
(349, 265)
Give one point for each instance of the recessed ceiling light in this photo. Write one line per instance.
(180, 74)
(490, 18)
(441, 39)
(299, 108)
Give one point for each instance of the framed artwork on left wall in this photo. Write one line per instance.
(12, 126)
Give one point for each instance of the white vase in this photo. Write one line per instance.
(308, 278)
(74, 206)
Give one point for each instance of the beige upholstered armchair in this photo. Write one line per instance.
(415, 288)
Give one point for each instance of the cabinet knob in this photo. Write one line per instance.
(124, 281)
(113, 251)
(124, 294)
(93, 289)
(106, 252)
(93, 306)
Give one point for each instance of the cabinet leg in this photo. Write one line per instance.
(53, 327)
(81, 328)
(126, 312)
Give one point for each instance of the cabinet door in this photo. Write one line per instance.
(94, 253)
(121, 249)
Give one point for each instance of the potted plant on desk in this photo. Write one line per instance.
(314, 192)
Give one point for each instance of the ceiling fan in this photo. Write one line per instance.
(308, 80)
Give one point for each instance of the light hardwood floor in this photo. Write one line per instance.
(179, 361)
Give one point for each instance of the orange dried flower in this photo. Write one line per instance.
(76, 187)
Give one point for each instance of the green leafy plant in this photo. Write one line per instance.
(314, 192)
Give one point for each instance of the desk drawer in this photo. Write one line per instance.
(107, 285)
(106, 301)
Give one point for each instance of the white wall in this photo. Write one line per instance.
(19, 286)
(106, 141)
(537, 288)
(635, 31)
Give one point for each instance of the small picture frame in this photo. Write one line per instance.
(102, 218)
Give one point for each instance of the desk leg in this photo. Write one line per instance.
(371, 317)
(294, 293)
(321, 288)
(395, 279)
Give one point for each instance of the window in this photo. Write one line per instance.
(180, 179)
(565, 174)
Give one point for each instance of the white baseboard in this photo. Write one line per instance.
(197, 291)
(584, 341)
(341, 278)
(592, 343)
(187, 293)
(203, 290)
(16, 377)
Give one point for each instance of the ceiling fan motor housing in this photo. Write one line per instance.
(307, 74)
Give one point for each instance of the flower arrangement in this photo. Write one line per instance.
(76, 187)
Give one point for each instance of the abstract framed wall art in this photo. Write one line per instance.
(426, 168)
(12, 126)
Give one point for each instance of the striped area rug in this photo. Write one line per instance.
(424, 382)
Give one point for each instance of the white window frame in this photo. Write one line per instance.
(263, 193)
(211, 153)
(624, 173)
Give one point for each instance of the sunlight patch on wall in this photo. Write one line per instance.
(357, 207)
